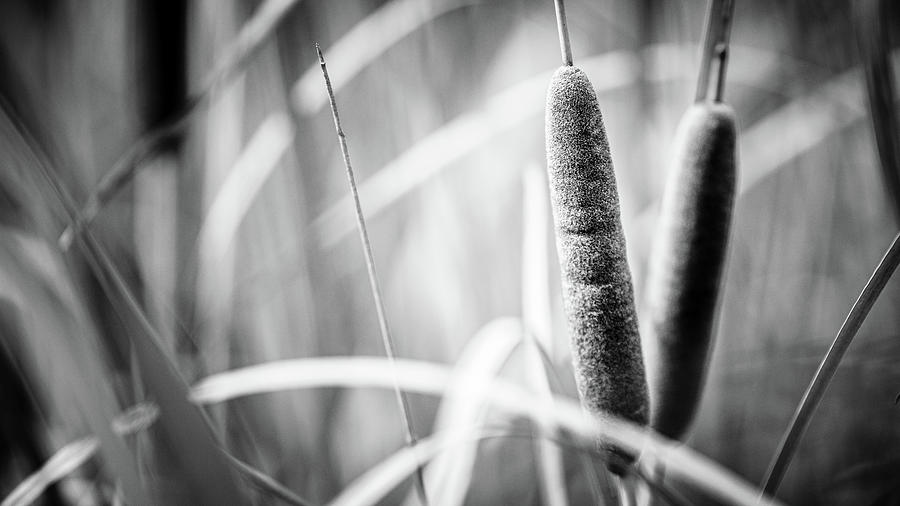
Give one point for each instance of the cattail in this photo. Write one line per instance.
(597, 288)
(687, 264)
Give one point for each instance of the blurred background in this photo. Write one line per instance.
(238, 237)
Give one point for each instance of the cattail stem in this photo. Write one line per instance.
(716, 33)
(388, 341)
(562, 26)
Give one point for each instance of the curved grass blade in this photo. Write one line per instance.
(251, 38)
(816, 390)
(248, 174)
(67, 459)
(265, 482)
(434, 379)
(460, 412)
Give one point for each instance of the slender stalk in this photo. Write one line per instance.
(716, 33)
(788, 446)
(562, 26)
(402, 400)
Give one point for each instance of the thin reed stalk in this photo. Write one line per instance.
(387, 339)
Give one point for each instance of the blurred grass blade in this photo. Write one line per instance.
(237, 192)
(807, 120)
(282, 375)
(120, 174)
(872, 34)
(64, 461)
(829, 365)
(251, 38)
(536, 307)
(434, 379)
(155, 239)
(253, 35)
(137, 418)
(266, 483)
(364, 43)
(551, 472)
(460, 412)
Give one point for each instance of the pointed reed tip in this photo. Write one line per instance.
(319, 53)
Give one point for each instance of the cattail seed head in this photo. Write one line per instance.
(687, 264)
(597, 287)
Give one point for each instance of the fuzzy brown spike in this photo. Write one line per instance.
(687, 264)
(597, 288)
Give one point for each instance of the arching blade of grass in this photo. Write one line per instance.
(63, 462)
(829, 365)
(251, 38)
(434, 379)
(235, 195)
(460, 412)
(387, 339)
(365, 42)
